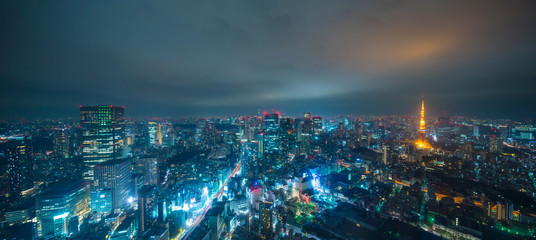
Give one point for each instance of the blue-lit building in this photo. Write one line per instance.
(146, 208)
(318, 125)
(116, 176)
(102, 201)
(58, 203)
(271, 136)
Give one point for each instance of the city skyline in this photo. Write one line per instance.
(267, 120)
(190, 59)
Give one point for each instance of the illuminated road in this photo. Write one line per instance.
(512, 146)
(199, 218)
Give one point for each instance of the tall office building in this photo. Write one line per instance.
(114, 175)
(243, 127)
(61, 143)
(146, 206)
(305, 133)
(155, 133)
(317, 139)
(288, 135)
(318, 127)
(266, 220)
(476, 131)
(385, 154)
(103, 132)
(150, 170)
(271, 136)
(158, 134)
(19, 165)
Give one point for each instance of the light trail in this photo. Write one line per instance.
(199, 218)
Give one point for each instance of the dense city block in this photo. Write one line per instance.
(267, 176)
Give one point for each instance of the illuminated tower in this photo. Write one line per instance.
(422, 126)
(421, 140)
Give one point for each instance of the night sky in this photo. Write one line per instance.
(170, 59)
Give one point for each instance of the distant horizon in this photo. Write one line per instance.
(137, 116)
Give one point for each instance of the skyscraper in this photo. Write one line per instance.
(19, 165)
(159, 134)
(155, 133)
(318, 130)
(305, 133)
(103, 132)
(288, 135)
(61, 143)
(150, 170)
(114, 175)
(271, 137)
(266, 219)
(317, 125)
(146, 205)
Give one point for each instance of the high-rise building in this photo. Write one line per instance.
(159, 134)
(266, 219)
(271, 136)
(243, 128)
(318, 130)
(150, 170)
(318, 127)
(288, 135)
(501, 211)
(61, 143)
(155, 133)
(114, 175)
(305, 133)
(385, 154)
(146, 208)
(103, 132)
(476, 131)
(495, 144)
(19, 165)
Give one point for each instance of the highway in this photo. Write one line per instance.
(199, 218)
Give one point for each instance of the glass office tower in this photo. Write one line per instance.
(103, 132)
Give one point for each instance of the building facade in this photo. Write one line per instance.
(103, 132)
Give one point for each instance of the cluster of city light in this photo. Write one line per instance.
(423, 143)
(63, 215)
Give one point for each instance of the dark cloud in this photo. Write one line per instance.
(233, 57)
